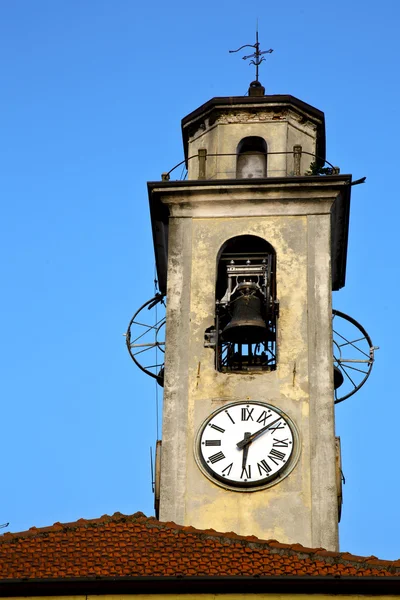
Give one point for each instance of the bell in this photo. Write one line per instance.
(247, 325)
(337, 377)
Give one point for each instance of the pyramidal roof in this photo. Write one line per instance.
(128, 548)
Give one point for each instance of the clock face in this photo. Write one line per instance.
(247, 445)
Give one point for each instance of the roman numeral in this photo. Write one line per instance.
(217, 428)
(263, 417)
(246, 471)
(275, 455)
(230, 417)
(228, 468)
(247, 414)
(279, 426)
(263, 467)
(213, 442)
(281, 443)
(216, 457)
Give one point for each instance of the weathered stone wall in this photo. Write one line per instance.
(302, 507)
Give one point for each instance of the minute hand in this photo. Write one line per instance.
(248, 440)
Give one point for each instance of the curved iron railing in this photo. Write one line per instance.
(202, 156)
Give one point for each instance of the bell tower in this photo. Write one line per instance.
(248, 250)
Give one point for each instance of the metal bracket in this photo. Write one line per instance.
(210, 338)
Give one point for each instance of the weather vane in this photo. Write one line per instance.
(257, 57)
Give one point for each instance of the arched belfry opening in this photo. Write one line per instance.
(251, 161)
(246, 308)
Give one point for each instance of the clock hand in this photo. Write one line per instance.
(245, 450)
(247, 440)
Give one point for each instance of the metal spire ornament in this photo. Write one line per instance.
(257, 57)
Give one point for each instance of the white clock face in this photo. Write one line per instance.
(247, 445)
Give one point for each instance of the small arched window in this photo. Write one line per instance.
(246, 308)
(251, 162)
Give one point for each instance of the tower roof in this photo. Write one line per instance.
(122, 552)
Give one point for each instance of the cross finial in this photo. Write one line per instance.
(257, 57)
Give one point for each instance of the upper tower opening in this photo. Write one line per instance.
(251, 158)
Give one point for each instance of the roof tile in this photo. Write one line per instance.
(123, 546)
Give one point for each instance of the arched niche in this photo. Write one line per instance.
(251, 161)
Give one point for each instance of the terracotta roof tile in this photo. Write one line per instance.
(130, 546)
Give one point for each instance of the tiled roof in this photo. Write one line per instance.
(134, 546)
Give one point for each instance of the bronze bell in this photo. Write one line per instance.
(247, 325)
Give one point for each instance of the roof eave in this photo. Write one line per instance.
(285, 584)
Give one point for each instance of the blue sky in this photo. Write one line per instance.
(92, 96)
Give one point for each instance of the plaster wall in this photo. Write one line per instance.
(281, 131)
(303, 506)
